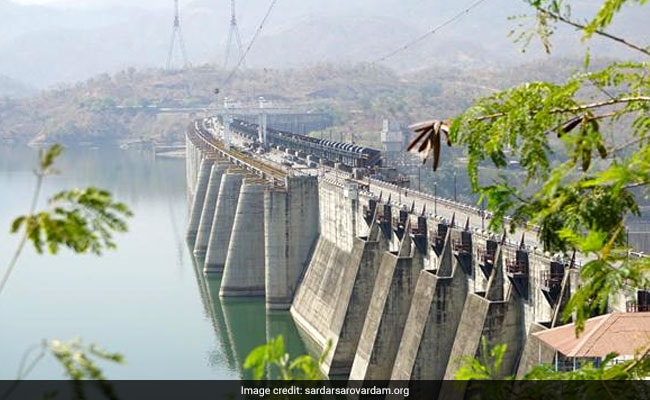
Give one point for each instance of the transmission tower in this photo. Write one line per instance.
(234, 31)
(176, 33)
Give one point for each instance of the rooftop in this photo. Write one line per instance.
(626, 334)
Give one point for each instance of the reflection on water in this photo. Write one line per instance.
(243, 324)
(145, 300)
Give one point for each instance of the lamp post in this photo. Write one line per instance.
(435, 197)
(455, 184)
(483, 214)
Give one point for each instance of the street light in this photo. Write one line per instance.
(455, 184)
(483, 214)
(435, 197)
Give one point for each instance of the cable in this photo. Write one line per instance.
(431, 32)
(250, 45)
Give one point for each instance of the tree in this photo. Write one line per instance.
(585, 150)
(82, 220)
(270, 360)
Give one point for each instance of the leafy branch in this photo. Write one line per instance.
(591, 28)
(579, 186)
(576, 108)
(273, 354)
(79, 363)
(82, 220)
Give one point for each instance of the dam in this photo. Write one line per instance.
(401, 284)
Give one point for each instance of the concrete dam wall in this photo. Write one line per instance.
(256, 235)
(396, 292)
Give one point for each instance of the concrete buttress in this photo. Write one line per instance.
(222, 223)
(199, 199)
(432, 321)
(207, 214)
(290, 233)
(497, 315)
(387, 312)
(243, 273)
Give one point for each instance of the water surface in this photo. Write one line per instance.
(146, 299)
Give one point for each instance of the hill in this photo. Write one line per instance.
(125, 107)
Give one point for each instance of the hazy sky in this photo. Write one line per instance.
(94, 3)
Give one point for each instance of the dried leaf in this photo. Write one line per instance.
(570, 125)
(436, 145)
(415, 141)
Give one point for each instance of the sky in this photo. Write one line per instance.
(93, 3)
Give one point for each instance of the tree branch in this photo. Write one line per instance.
(560, 18)
(21, 245)
(582, 107)
(624, 146)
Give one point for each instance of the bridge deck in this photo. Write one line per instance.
(202, 138)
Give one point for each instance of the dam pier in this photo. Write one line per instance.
(398, 292)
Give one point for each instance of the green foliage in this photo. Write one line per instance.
(486, 366)
(601, 277)
(544, 382)
(271, 359)
(532, 122)
(47, 157)
(606, 15)
(584, 148)
(80, 219)
(79, 360)
(582, 180)
(551, 12)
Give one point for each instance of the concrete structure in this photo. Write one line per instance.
(433, 318)
(389, 305)
(207, 213)
(332, 302)
(202, 182)
(243, 273)
(395, 291)
(393, 142)
(290, 233)
(222, 222)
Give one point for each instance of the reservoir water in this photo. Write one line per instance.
(145, 300)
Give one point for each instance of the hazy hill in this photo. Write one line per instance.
(13, 88)
(110, 109)
(42, 46)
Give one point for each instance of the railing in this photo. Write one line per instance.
(633, 306)
(516, 267)
(460, 247)
(487, 257)
(204, 139)
(551, 280)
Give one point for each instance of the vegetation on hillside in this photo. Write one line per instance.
(124, 107)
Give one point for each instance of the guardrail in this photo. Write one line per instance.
(204, 139)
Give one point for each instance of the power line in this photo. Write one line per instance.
(431, 32)
(250, 45)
